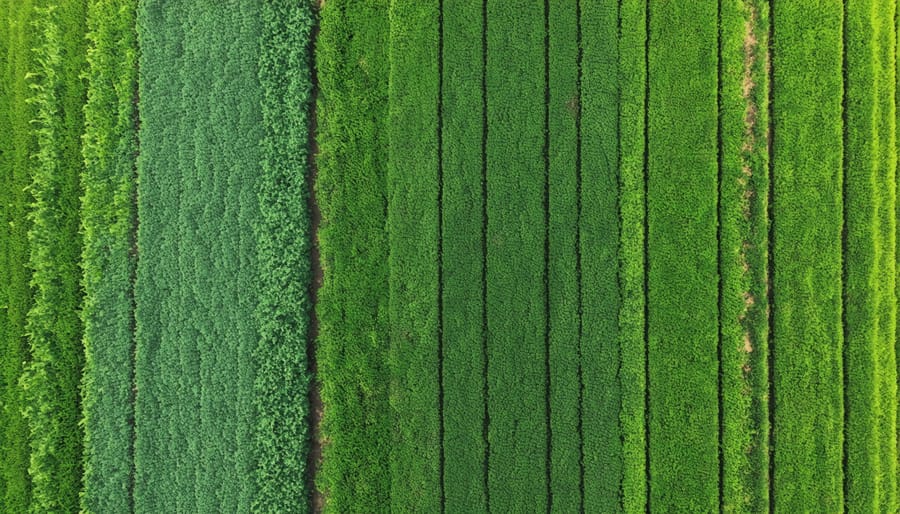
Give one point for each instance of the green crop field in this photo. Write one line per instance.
(449, 256)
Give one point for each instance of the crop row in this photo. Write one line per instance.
(807, 218)
(108, 219)
(17, 147)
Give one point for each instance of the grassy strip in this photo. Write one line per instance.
(413, 232)
(564, 279)
(516, 260)
(52, 376)
(743, 254)
(109, 220)
(889, 490)
(682, 172)
(284, 245)
(352, 305)
(463, 259)
(158, 484)
(632, 77)
(807, 217)
(869, 300)
(599, 229)
(15, 162)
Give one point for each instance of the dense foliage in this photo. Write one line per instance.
(352, 308)
(51, 379)
(808, 338)
(109, 223)
(282, 417)
(566, 256)
(18, 144)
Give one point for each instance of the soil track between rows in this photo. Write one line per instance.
(314, 458)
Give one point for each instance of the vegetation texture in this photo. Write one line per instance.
(16, 149)
(109, 224)
(352, 69)
(683, 263)
(462, 201)
(51, 379)
(806, 251)
(281, 388)
(743, 254)
(616, 257)
(517, 247)
(413, 227)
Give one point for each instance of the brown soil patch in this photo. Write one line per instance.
(748, 89)
(574, 106)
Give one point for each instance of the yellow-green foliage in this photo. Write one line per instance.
(16, 147)
(52, 376)
(807, 215)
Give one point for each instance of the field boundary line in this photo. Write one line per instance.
(440, 249)
(486, 419)
(719, 255)
(578, 270)
(770, 261)
(646, 165)
(548, 463)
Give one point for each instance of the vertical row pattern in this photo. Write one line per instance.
(463, 259)
(516, 255)
(869, 257)
(281, 413)
(610, 275)
(352, 308)
(808, 218)
(743, 253)
(16, 114)
(156, 361)
(51, 379)
(632, 76)
(888, 498)
(564, 294)
(413, 231)
(682, 185)
(109, 224)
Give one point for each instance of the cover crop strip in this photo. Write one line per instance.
(18, 38)
(632, 76)
(598, 163)
(463, 202)
(808, 220)
(352, 307)
(109, 223)
(198, 323)
(516, 256)
(869, 258)
(197, 424)
(52, 377)
(682, 185)
(743, 254)
(284, 244)
(158, 481)
(219, 211)
(861, 292)
(886, 57)
(413, 235)
(566, 466)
